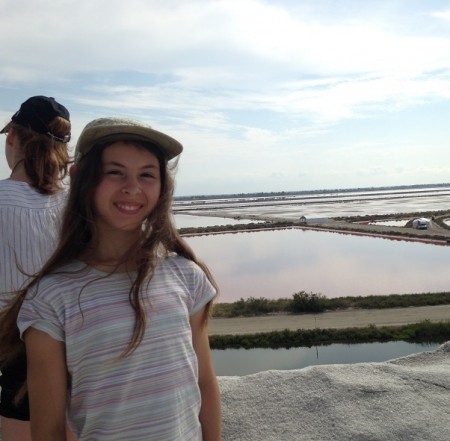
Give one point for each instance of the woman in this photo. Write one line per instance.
(31, 201)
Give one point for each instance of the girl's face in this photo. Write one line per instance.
(129, 188)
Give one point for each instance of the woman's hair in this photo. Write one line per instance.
(78, 232)
(45, 159)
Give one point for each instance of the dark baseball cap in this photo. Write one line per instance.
(36, 113)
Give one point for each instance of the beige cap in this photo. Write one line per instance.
(105, 130)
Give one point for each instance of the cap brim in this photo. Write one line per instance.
(169, 146)
(6, 128)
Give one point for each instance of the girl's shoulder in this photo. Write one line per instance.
(69, 277)
(182, 269)
(177, 262)
(181, 274)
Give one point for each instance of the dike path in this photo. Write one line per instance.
(337, 319)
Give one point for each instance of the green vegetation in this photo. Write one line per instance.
(311, 303)
(304, 303)
(415, 333)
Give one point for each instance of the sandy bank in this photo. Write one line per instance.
(340, 319)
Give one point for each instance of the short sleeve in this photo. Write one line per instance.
(203, 291)
(39, 313)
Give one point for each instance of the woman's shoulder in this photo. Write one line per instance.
(11, 190)
(20, 194)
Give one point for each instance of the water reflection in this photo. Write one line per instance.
(276, 264)
(232, 362)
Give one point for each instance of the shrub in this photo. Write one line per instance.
(307, 302)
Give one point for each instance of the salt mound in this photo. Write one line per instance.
(403, 399)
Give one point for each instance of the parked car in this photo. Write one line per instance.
(421, 223)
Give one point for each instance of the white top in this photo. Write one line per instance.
(153, 393)
(29, 223)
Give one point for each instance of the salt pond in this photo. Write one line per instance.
(276, 264)
(330, 204)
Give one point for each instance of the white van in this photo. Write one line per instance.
(421, 223)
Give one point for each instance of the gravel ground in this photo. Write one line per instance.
(339, 319)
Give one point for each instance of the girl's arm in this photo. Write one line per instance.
(209, 388)
(47, 385)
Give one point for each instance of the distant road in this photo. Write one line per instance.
(339, 319)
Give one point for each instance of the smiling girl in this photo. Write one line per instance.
(115, 325)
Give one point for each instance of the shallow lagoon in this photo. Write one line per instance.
(327, 205)
(276, 264)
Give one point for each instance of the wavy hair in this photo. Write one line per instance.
(159, 238)
(45, 159)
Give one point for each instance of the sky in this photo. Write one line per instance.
(265, 96)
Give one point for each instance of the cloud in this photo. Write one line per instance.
(250, 79)
(443, 14)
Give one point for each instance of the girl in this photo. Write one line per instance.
(31, 202)
(118, 315)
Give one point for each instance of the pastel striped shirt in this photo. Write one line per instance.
(153, 393)
(29, 223)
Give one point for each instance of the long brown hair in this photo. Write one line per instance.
(46, 160)
(160, 238)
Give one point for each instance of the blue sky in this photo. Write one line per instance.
(264, 95)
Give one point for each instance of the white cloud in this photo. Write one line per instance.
(443, 15)
(228, 35)
(249, 79)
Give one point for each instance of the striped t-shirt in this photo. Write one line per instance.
(29, 224)
(153, 393)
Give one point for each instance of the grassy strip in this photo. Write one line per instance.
(424, 331)
(303, 302)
